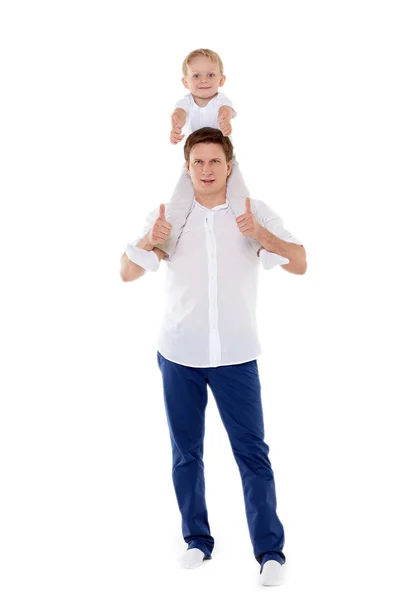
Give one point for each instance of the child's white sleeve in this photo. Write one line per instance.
(223, 100)
(184, 103)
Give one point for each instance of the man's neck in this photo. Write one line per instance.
(211, 200)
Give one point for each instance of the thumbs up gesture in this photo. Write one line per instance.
(224, 123)
(247, 224)
(161, 229)
(176, 134)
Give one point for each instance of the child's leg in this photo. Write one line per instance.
(177, 210)
(236, 185)
(236, 188)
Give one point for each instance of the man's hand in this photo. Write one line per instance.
(224, 123)
(247, 224)
(160, 254)
(176, 134)
(161, 229)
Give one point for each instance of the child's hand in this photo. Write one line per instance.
(176, 134)
(224, 123)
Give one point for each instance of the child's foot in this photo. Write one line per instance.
(272, 573)
(192, 558)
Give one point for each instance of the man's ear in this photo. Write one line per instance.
(229, 168)
(187, 168)
(185, 83)
(222, 80)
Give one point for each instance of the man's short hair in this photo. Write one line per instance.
(208, 135)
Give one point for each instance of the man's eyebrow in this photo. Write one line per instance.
(216, 158)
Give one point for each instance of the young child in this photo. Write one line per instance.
(204, 106)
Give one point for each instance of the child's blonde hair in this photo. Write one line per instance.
(202, 52)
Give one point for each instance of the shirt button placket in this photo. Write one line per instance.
(215, 345)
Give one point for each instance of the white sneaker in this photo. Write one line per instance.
(273, 573)
(192, 558)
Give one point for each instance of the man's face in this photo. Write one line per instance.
(208, 168)
(203, 78)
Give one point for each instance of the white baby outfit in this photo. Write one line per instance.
(182, 197)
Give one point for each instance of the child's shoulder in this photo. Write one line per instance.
(185, 102)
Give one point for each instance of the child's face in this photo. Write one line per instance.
(203, 78)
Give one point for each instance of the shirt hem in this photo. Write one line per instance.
(209, 366)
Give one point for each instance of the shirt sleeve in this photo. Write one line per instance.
(184, 103)
(223, 100)
(144, 258)
(271, 221)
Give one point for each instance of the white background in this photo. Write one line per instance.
(87, 504)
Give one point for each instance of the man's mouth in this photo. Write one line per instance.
(208, 180)
(205, 88)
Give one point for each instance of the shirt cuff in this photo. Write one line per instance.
(270, 259)
(144, 258)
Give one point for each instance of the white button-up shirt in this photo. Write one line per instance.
(211, 287)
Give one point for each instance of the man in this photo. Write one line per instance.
(209, 337)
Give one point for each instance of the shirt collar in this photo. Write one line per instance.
(219, 207)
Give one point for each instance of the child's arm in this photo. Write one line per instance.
(178, 119)
(225, 114)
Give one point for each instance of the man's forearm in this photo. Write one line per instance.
(144, 244)
(129, 269)
(295, 253)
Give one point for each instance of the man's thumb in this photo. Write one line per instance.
(162, 212)
(248, 207)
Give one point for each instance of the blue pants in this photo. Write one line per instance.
(237, 392)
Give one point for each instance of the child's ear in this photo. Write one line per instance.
(185, 83)
(222, 80)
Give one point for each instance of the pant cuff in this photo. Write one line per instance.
(278, 556)
(200, 546)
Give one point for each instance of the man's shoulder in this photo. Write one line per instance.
(262, 209)
(259, 208)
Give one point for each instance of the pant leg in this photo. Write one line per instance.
(177, 211)
(236, 185)
(237, 188)
(237, 392)
(185, 397)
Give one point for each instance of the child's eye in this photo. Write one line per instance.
(211, 74)
(194, 76)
